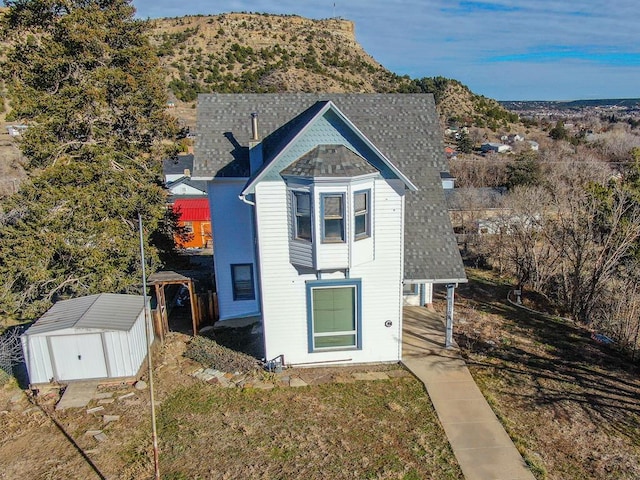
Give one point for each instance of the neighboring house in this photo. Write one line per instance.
(495, 147)
(16, 130)
(450, 153)
(468, 207)
(186, 186)
(325, 208)
(512, 138)
(188, 196)
(196, 219)
(92, 337)
(534, 145)
(448, 180)
(509, 224)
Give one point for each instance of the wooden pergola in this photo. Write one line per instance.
(160, 280)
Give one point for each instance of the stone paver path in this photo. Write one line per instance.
(481, 445)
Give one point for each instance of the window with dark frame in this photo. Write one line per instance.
(334, 318)
(332, 217)
(302, 214)
(362, 215)
(242, 281)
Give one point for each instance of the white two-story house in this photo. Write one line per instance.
(329, 215)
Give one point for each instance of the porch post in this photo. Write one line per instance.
(448, 343)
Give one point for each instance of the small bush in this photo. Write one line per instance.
(211, 354)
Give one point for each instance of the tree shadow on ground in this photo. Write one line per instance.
(553, 362)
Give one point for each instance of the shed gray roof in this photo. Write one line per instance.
(330, 161)
(404, 127)
(106, 311)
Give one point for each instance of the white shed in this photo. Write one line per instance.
(92, 337)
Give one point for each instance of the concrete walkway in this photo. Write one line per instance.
(78, 394)
(481, 445)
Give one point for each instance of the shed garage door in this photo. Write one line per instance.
(78, 356)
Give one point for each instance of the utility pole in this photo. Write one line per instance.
(154, 433)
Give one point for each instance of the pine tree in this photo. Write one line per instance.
(464, 143)
(83, 77)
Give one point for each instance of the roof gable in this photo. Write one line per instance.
(321, 124)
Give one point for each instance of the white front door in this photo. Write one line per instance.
(78, 356)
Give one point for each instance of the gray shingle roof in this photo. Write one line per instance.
(177, 165)
(330, 161)
(104, 311)
(404, 127)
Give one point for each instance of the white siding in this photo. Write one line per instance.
(37, 359)
(362, 250)
(232, 225)
(301, 253)
(126, 350)
(284, 289)
(138, 343)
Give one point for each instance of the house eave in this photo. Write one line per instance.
(438, 281)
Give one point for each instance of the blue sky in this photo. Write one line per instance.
(503, 49)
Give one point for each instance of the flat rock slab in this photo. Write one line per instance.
(78, 395)
(297, 382)
(110, 418)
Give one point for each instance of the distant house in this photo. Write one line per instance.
(450, 153)
(533, 145)
(448, 180)
(16, 130)
(495, 147)
(188, 197)
(328, 215)
(186, 186)
(195, 217)
(508, 224)
(93, 337)
(468, 206)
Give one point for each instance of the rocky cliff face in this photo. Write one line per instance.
(266, 53)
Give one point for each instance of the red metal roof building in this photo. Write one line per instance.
(195, 216)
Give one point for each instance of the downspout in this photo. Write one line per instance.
(246, 200)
